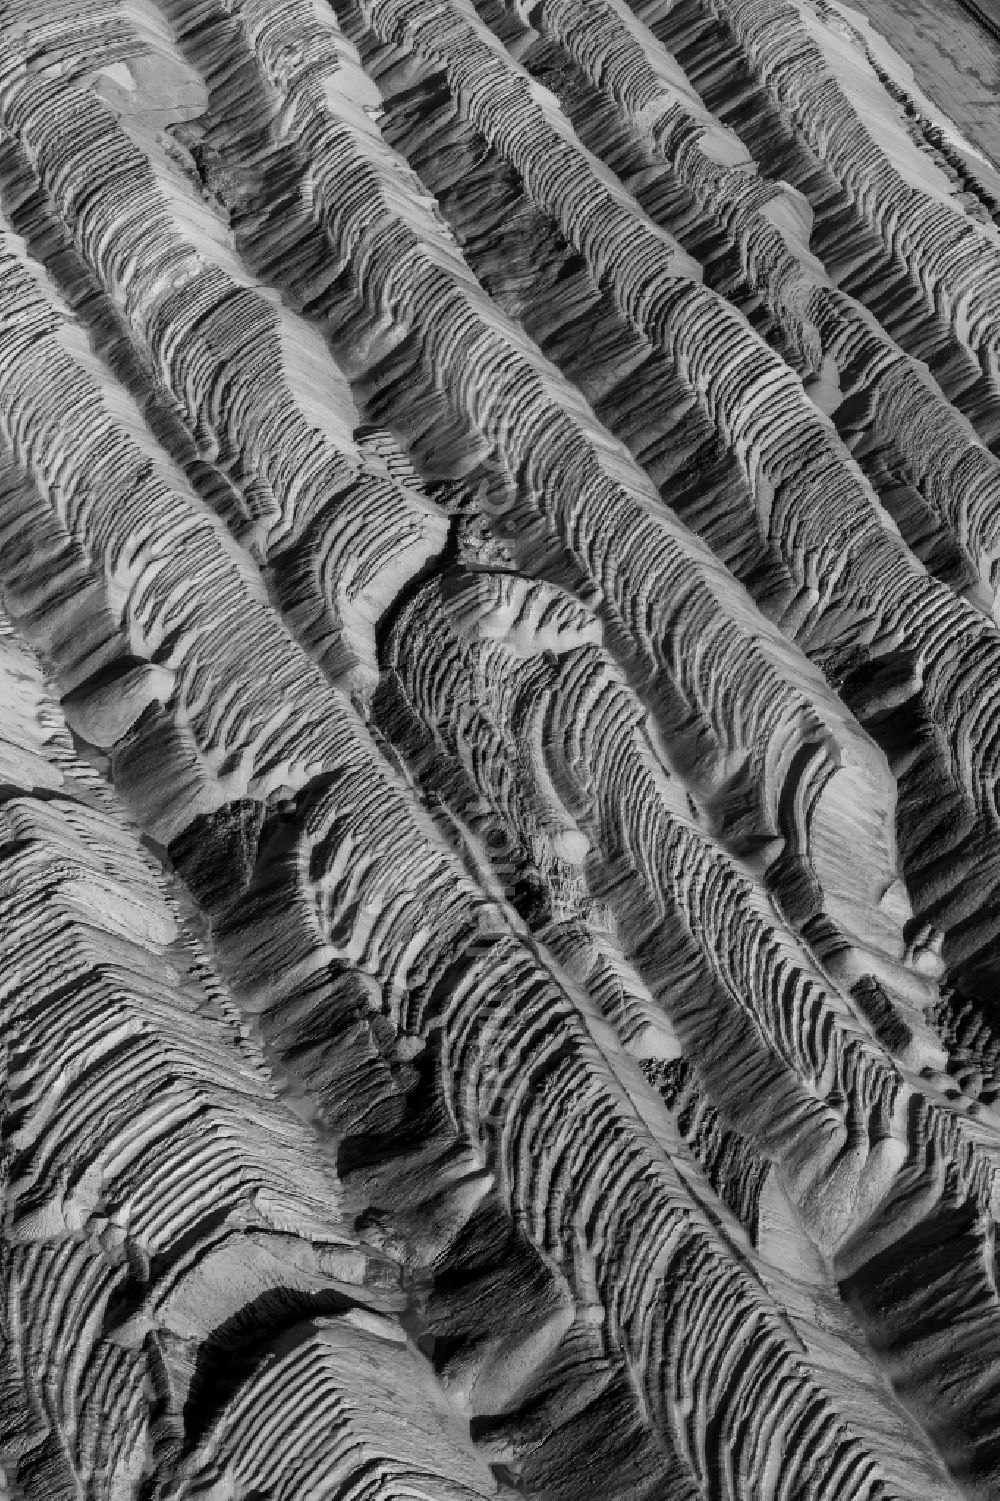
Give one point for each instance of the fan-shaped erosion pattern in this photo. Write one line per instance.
(499, 748)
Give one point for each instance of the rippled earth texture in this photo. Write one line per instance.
(499, 750)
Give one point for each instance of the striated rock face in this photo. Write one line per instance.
(499, 748)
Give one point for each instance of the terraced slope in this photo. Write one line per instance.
(499, 748)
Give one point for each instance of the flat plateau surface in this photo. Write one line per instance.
(954, 60)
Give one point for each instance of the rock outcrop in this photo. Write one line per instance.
(499, 738)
